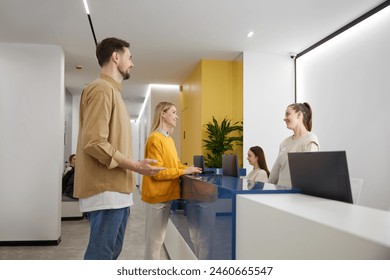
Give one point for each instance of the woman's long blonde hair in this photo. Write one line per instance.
(157, 119)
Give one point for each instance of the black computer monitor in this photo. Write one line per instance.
(321, 174)
(230, 165)
(199, 161)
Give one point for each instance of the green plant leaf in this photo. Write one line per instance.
(219, 140)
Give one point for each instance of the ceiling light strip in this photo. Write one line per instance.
(334, 34)
(148, 93)
(86, 7)
(90, 20)
(144, 104)
(346, 27)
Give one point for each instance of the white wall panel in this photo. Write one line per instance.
(346, 80)
(268, 90)
(31, 141)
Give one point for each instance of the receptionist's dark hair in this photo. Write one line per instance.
(306, 111)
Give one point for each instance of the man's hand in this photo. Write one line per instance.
(145, 168)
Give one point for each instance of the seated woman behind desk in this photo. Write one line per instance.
(260, 171)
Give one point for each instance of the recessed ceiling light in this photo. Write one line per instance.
(250, 34)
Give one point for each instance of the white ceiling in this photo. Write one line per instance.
(169, 37)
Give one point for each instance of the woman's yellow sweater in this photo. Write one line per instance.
(165, 185)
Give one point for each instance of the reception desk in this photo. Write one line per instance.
(297, 226)
(205, 227)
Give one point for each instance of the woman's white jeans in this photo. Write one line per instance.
(156, 222)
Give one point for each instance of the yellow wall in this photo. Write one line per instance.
(191, 116)
(237, 88)
(213, 89)
(238, 103)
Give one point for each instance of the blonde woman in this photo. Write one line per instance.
(159, 190)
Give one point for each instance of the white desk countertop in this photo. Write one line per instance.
(372, 224)
(298, 226)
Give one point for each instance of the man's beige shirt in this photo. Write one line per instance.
(104, 140)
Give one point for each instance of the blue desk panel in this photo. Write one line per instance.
(207, 220)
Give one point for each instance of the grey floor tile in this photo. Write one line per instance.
(74, 239)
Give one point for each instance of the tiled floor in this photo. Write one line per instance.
(74, 239)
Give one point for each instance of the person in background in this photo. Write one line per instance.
(159, 190)
(68, 177)
(103, 180)
(260, 171)
(71, 162)
(298, 118)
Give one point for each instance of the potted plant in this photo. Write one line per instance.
(221, 138)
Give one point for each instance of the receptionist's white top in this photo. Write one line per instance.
(280, 173)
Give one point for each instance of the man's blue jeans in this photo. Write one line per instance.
(107, 232)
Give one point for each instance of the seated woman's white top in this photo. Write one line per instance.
(258, 175)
